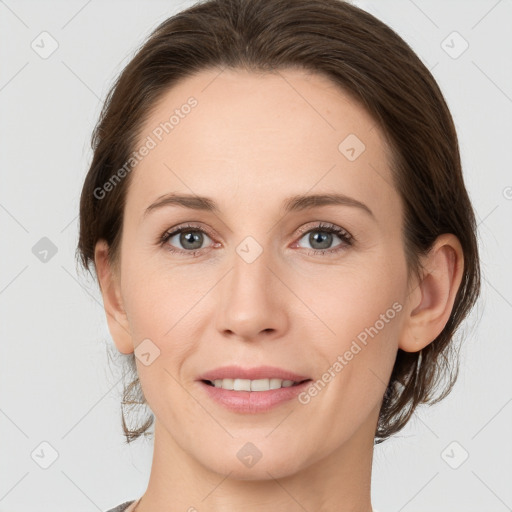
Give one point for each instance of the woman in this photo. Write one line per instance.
(278, 221)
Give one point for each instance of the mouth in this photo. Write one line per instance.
(252, 390)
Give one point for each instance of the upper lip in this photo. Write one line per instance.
(260, 372)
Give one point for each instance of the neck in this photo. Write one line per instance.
(339, 481)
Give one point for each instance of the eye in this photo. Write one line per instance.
(321, 238)
(190, 238)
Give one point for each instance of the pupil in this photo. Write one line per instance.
(319, 236)
(191, 237)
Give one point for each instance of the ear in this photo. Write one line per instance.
(431, 301)
(109, 281)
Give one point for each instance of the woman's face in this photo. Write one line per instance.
(259, 280)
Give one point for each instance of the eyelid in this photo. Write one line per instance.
(184, 227)
(324, 225)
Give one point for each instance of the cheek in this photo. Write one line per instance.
(358, 313)
(166, 306)
(344, 301)
(159, 298)
(355, 355)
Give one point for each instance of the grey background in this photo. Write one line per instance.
(56, 384)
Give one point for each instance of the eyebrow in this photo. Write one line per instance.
(291, 204)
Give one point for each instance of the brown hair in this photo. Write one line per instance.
(365, 58)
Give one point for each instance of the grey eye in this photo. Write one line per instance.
(189, 239)
(319, 239)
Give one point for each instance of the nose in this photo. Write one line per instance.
(252, 300)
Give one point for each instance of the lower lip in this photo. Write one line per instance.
(253, 402)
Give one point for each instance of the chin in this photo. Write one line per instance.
(248, 463)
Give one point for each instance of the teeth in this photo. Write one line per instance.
(252, 385)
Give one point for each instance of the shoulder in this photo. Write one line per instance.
(122, 507)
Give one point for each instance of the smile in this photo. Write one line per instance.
(252, 385)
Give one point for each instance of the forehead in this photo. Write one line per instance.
(249, 138)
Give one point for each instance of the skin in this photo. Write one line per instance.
(252, 141)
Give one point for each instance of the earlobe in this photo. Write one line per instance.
(112, 300)
(431, 302)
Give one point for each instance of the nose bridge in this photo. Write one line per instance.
(251, 263)
(249, 301)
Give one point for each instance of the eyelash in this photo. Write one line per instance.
(346, 238)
